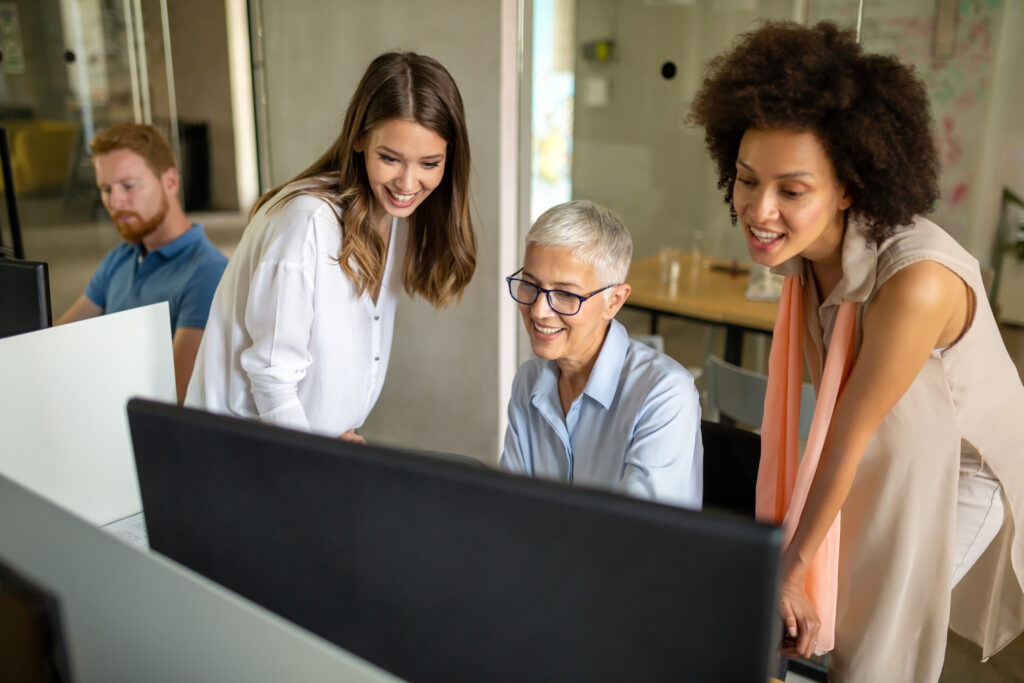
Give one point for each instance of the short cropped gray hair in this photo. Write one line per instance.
(594, 234)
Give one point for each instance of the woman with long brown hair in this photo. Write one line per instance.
(301, 324)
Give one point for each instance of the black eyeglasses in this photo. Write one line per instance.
(560, 301)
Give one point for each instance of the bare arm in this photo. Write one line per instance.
(82, 309)
(923, 306)
(185, 345)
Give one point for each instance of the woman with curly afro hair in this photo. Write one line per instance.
(826, 158)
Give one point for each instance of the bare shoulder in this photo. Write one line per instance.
(927, 284)
(924, 299)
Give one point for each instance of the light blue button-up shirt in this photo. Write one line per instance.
(635, 428)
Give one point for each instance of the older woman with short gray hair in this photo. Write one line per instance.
(595, 407)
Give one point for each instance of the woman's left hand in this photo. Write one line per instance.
(800, 620)
(351, 435)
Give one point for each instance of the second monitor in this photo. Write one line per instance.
(24, 296)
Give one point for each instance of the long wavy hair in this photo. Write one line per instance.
(441, 250)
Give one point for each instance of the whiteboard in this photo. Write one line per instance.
(63, 426)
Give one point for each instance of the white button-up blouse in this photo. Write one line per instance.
(288, 339)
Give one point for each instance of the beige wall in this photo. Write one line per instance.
(442, 391)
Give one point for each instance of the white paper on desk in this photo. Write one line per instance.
(63, 390)
(131, 529)
(764, 285)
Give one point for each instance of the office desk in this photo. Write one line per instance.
(62, 415)
(130, 615)
(704, 294)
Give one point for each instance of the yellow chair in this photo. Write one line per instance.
(41, 153)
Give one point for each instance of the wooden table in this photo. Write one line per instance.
(706, 292)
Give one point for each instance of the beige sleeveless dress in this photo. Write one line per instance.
(896, 544)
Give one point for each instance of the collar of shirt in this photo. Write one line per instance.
(859, 256)
(604, 377)
(175, 246)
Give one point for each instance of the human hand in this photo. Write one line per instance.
(351, 435)
(800, 621)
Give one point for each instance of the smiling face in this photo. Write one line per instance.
(572, 340)
(135, 197)
(787, 197)
(404, 163)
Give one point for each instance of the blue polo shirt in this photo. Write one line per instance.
(184, 273)
(635, 428)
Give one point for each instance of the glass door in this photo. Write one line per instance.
(67, 69)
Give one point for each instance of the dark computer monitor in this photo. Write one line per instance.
(435, 570)
(24, 297)
(32, 644)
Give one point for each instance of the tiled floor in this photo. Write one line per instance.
(74, 250)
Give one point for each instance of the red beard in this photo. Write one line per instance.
(132, 226)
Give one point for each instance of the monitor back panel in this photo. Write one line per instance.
(24, 297)
(32, 646)
(440, 571)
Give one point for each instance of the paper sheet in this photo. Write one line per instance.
(131, 529)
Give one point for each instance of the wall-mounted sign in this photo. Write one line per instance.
(10, 39)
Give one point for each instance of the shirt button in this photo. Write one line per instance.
(376, 357)
(376, 317)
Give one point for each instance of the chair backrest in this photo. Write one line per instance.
(739, 393)
(655, 341)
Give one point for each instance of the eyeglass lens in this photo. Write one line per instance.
(560, 302)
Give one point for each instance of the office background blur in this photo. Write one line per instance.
(564, 99)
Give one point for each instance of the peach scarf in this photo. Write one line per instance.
(783, 480)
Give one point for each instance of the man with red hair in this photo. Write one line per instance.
(164, 257)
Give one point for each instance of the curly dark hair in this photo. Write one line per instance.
(870, 113)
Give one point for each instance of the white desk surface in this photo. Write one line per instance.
(132, 615)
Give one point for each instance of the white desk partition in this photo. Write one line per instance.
(131, 615)
(63, 390)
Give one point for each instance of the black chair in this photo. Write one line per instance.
(731, 457)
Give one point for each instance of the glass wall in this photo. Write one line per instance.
(611, 82)
(968, 54)
(612, 78)
(72, 67)
(954, 47)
